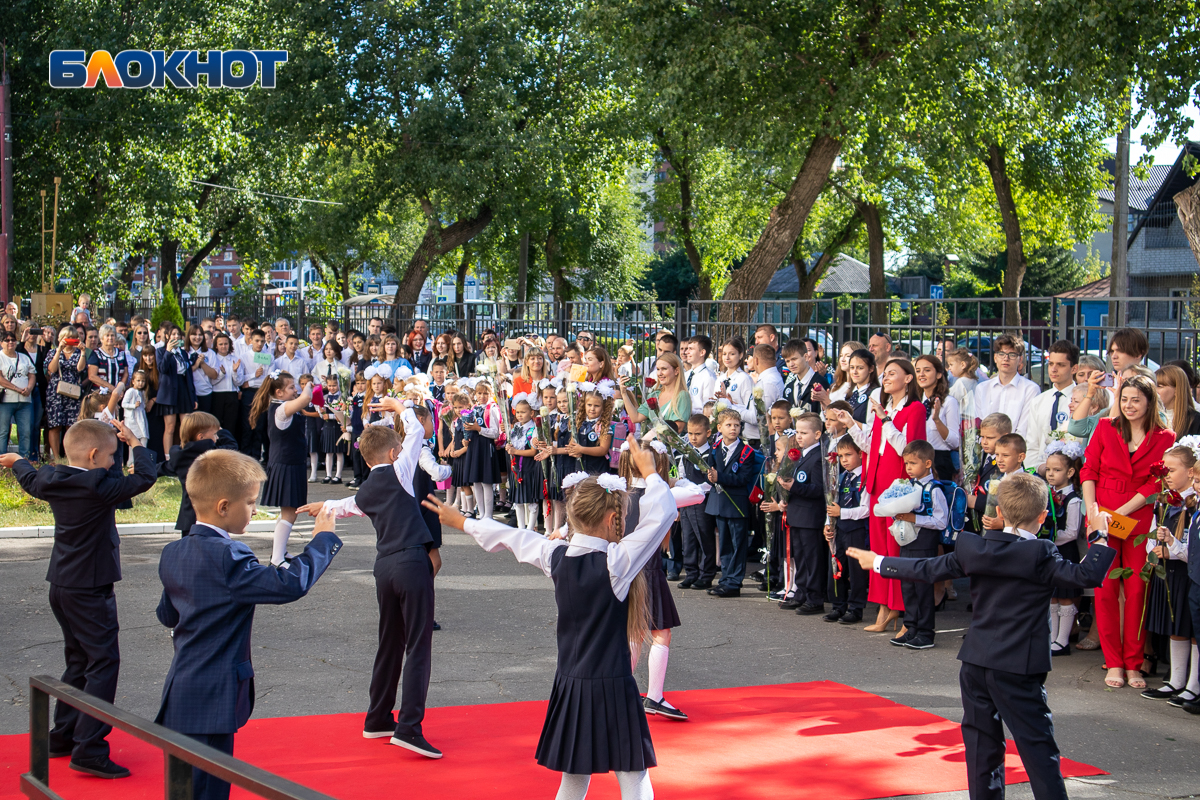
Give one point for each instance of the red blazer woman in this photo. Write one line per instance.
(1119, 475)
(880, 471)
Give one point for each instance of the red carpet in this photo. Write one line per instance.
(751, 742)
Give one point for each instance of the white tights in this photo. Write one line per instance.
(341, 462)
(634, 786)
(483, 499)
(526, 515)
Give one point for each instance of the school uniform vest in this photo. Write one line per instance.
(287, 444)
(849, 495)
(589, 436)
(1056, 514)
(423, 486)
(393, 512)
(356, 418)
(860, 403)
(693, 474)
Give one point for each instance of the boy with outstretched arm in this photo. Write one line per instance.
(211, 585)
(84, 565)
(1006, 653)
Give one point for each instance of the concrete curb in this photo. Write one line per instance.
(126, 529)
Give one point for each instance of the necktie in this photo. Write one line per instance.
(1054, 411)
(689, 379)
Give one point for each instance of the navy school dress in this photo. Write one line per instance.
(1056, 522)
(331, 432)
(423, 486)
(663, 613)
(595, 721)
(481, 456)
(458, 464)
(589, 436)
(1158, 610)
(564, 465)
(312, 430)
(287, 481)
(526, 473)
(860, 404)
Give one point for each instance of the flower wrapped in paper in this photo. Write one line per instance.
(667, 434)
(902, 497)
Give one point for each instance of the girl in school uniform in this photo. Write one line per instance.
(378, 383)
(356, 429)
(285, 488)
(591, 449)
(331, 432)
(1170, 615)
(1064, 524)
(484, 428)
(595, 722)
(556, 450)
(864, 383)
(459, 480)
(526, 490)
(663, 614)
(312, 431)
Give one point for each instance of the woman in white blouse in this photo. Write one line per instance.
(841, 376)
(943, 427)
(734, 386)
(331, 364)
(230, 376)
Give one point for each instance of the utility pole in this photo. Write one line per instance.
(6, 190)
(1119, 275)
(523, 268)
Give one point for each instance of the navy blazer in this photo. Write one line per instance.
(806, 498)
(175, 389)
(735, 478)
(211, 585)
(181, 461)
(1012, 580)
(87, 550)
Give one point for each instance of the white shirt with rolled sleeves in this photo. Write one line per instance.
(626, 558)
(701, 384)
(1038, 425)
(1013, 400)
(229, 378)
(405, 465)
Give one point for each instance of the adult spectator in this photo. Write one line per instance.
(421, 326)
(674, 402)
(420, 349)
(33, 345)
(176, 389)
(1088, 364)
(12, 310)
(1010, 392)
(841, 385)
(202, 361)
(880, 345)
(769, 335)
(66, 369)
(18, 380)
(943, 426)
(392, 358)
(208, 325)
(664, 342)
(599, 365)
(282, 328)
(1175, 395)
(555, 348)
(700, 379)
(464, 359)
(106, 364)
(1116, 474)
(1192, 377)
(1049, 411)
(375, 326)
(224, 397)
(533, 370)
(585, 340)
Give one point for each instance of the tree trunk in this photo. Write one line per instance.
(436, 243)
(193, 263)
(808, 279)
(1014, 269)
(523, 269)
(681, 167)
(460, 283)
(168, 254)
(783, 227)
(1187, 206)
(874, 224)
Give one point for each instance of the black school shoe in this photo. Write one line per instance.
(663, 710)
(834, 615)
(687, 583)
(851, 617)
(725, 591)
(672, 576)
(1164, 692)
(102, 767)
(790, 603)
(700, 585)
(1055, 650)
(1182, 699)
(416, 742)
(919, 643)
(806, 609)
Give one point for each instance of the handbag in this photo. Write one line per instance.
(71, 390)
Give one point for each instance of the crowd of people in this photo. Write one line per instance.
(781, 455)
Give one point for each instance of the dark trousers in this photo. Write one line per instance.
(735, 538)
(252, 439)
(699, 533)
(810, 551)
(360, 466)
(673, 557)
(88, 618)
(851, 588)
(205, 786)
(918, 595)
(204, 402)
(992, 699)
(778, 550)
(225, 409)
(404, 589)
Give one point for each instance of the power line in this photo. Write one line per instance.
(269, 194)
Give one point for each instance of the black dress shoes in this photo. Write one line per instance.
(686, 583)
(672, 576)
(725, 591)
(833, 616)
(851, 618)
(663, 710)
(701, 585)
(790, 603)
(808, 608)
(102, 767)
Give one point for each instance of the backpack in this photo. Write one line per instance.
(956, 506)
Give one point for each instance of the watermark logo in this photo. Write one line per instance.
(154, 69)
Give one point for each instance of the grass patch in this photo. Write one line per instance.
(158, 504)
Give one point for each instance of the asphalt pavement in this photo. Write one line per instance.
(497, 645)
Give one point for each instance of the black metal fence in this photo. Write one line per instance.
(180, 752)
(1172, 324)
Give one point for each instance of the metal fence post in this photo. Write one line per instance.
(177, 777)
(39, 735)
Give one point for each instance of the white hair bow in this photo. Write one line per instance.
(574, 478)
(103, 391)
(384, 371)
(403, 372)
(587, 386)
(1072, 450)
(557, 381)
(543, 383)
(612, 483)
(606, 388)
(1192, 443)
(275, 373)
(658, 446)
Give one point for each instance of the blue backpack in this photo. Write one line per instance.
(956, 505)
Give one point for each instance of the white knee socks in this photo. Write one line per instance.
(312, 460)
(283, 529)
(1181, 654)
(1066, 621)
(519, 510)
(635, 785)
(341, 464)
(1193, 684)
(483, 499)
(573, 787)
(1054, 608)
(658, 671)
(329, 465)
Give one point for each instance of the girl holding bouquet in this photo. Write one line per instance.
(882, 438)
(592, 422)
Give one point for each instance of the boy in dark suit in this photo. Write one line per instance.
(404, 571)
(806, 520)
(929, 522)
(199, 432)
(211, 585)
(84, 565)
(1006, 653)
(849, 511)
(699, 529)
(732, 469)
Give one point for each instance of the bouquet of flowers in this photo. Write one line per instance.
(993, 492)
(760, 411)
(670, 437)
(829, 461)
(542, 420)
(787, 470)
(902, 497)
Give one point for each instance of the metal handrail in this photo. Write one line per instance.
(181, 752)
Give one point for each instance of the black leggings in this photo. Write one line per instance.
(224, 406)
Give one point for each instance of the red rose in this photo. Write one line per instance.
(832, 457)
(1174, 498)
(794, 454)
(1159, 470)
(650, 383)
(652, 403)
(538, 420)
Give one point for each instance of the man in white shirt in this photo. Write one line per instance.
(664, 342)
(880, 345)
(766, 377)
(1049, 410)
(701, 381)
(1009, 392)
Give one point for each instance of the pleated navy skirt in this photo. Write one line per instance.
(480, 460)
(526, 481)
(286, 486)
(663, 613)
(1159, 609)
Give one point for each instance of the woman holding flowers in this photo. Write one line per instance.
(887, 431)
(1122, 468)
(669, 400)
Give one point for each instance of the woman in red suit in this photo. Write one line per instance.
(1116, 474)
(883, 438)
